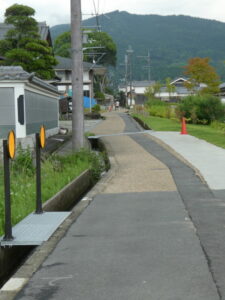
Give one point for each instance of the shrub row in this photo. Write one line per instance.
(201, 109)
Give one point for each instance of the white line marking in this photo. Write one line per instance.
(14, 284)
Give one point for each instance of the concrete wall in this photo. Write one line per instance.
(7, 111)
(40, 109)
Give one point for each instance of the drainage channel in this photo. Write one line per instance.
(12, 257)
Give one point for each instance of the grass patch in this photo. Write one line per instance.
(57, 171)
(212, 135)
(159, 124)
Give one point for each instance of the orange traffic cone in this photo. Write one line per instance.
(183, 127)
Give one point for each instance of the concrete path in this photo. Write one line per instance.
(136, 240)
(207, 158)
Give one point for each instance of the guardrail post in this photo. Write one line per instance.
(39, 209)
(8, 225)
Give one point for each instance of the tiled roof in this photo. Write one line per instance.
(18, 74)
(144, 83)
(14, 73)
(66, 64)
(42, 26)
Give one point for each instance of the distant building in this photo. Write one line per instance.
(222, 92)
(180, 90)
(138, 90)
(64, 74)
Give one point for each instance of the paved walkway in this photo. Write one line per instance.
(136, 239)
(207, 158)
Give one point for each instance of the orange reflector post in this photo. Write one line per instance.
(42, 136)
(11, 144)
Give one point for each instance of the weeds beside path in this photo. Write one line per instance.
(57, 171)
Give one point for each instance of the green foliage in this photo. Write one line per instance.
(152, 90)
(22, 45)
(122, 98)
(201, 109)
(62, 45)
(99, 95)
(96, 108)
(57, 171)
(160, 124)
(23, 163)
(218, 125)
(170, 88)
(160, 109)
(102, 40)
(200, 71)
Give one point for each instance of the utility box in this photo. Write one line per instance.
(26, 103)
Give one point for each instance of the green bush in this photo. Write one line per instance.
(201, 109)
(96, 108)
(218, 125)
(99, 96)
(23, 161)
(158, 108)
(155, 102)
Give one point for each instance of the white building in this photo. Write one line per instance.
(138, 90)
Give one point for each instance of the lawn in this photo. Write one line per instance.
(56, 173)
(204, 132)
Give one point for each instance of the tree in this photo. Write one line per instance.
(152, 90)
(170, 88)
(100, 47)
(23, 46)
(62, 44)
(105, 48)
(202, 109)
(199, 71)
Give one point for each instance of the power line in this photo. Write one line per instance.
(96, 9)
(148, 67)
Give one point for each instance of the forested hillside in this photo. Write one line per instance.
(172, 40)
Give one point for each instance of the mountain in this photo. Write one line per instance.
(172, 40)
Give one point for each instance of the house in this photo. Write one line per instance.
(64, 73)
(44, 31)
(180, 90)
(222, 92)
(138, 89)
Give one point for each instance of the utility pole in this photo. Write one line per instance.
(148, 66)
(126, 71)
(129, 53)
(77, 77)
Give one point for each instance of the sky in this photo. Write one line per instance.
(58, 11)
